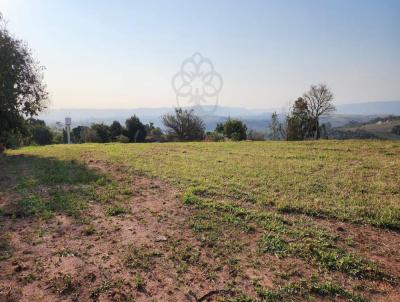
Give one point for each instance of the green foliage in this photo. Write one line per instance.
(50, 186)
(42, 135)
(77, 134)
(22, 92)
(219, 128)
(140, 283)
(235, 130)
(89, 230)
(300, 125)
(140, 257)
(307, 289)
(115, 210)
(135, 130)
(62, 284)
(184, 125)
(116, 130)
(102, 132)
(122, 139)
(215, 137)
(184, 255)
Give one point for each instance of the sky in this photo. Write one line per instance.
(123, 54)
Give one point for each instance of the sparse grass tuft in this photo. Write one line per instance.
(307, 289)
(115, 210)
(140, 257)
(184, 255)
(63, 284)
(140, 283)
(89, 230)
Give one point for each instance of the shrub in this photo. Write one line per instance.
(42, 135)
(214, 137)
(102, 132)
(115, 130)
(135, 130)
(184, 125)
(235, 130)
(122, 139)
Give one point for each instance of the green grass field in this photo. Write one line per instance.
(347, 180)
(288, 200)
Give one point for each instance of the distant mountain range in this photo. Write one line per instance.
(256, 119)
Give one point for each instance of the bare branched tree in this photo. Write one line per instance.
(320, 101)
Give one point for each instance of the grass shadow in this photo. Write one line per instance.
(44, 186)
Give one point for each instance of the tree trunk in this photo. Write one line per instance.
(318, 134)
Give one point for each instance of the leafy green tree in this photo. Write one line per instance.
(77, 134)
(135, 130)
(235, 130)
(22, 92)
(184, 125)
(219, 128)
(102, 132)
(300, 123)
(42, 135)
(38, 132)
(116, 129)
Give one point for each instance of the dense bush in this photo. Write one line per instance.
(115, 130)
(122, 139)
(135, 130)
(235, 129)
(215, 136)
(184, 125)
(102, 132)
(76, 134)
(42, 135)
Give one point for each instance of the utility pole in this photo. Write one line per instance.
(68, 128)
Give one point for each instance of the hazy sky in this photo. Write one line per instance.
(123, 54)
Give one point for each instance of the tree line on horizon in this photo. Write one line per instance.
(23, 95)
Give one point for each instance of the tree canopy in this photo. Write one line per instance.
(184, 125)
(22, 91)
